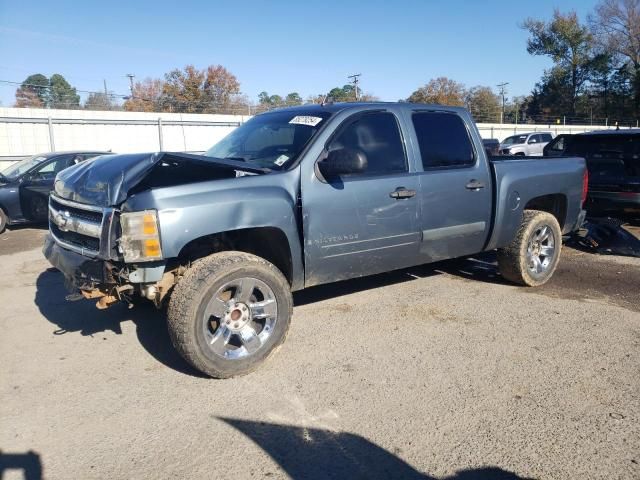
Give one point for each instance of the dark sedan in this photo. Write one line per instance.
(25, 185)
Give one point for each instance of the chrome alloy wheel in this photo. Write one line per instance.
(240, 318)
(541, 250)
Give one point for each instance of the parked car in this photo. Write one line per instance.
(25, 185)
(613, 161)
(525, 144)
(492, 146)
(299, 197)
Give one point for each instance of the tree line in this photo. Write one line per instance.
(595, 77)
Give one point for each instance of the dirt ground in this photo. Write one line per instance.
(441, 371)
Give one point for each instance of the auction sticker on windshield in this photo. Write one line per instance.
(305, 120)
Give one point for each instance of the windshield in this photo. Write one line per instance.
(514, 140)
(14, 171)
(270, 140)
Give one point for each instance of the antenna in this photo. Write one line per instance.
(355, 80)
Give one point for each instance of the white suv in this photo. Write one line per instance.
(528, 144)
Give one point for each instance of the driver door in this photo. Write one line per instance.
(36, 185)
(358, 224)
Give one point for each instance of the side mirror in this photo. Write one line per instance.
(533, 140)
(343, 161)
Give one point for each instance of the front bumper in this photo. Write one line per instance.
(80, 271)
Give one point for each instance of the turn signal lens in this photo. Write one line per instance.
(140, 241)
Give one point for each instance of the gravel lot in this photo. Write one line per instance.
(440, 371)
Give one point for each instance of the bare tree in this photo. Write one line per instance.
(441, 90)
(616, 26)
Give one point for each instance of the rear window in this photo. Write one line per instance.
(605, 146)
(443, 140)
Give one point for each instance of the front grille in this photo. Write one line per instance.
(78, 240)
(83, 228)
(90, 216)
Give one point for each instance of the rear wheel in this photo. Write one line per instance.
(229, 313)
(533, 255)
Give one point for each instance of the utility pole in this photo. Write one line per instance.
(503, 91)
(130, 75)
(355, 83)
(106, 93)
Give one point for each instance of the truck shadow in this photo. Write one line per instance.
(482, 267)
(315, 454)
(82, 316)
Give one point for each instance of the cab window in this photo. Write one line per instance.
(443, 140)
(377, 135)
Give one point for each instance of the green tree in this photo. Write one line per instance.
(62, 94)
(293, 98)
(346, 93)
(442, 91)
(570, 45)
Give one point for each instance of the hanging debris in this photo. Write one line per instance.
(606, 236)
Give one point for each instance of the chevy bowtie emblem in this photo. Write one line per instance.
(62, 219)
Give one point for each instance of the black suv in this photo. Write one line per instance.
(613, 161)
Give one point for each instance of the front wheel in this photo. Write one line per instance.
(3, 220)
(533, 255)
(229, 313)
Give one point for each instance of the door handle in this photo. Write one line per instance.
(474, 185)
(402, 192)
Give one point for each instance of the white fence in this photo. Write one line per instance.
(27, 131)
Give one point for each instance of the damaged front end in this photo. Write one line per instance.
(109, 254)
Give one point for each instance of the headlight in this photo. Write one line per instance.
(140, 239)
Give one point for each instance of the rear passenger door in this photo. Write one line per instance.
(455, 186)
(358, 224)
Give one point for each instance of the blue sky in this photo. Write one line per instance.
(277, 46)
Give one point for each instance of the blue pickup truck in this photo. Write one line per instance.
(299, 197)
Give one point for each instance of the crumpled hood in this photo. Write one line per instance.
(106, 180)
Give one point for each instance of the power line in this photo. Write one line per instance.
(503, 90)
(355, 81)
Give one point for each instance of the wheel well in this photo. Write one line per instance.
(555, 204)
(266, 242)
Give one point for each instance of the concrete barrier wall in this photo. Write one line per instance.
(27, 131)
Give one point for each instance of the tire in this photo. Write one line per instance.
(539, 236)
(4, 220)
(229, 313)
